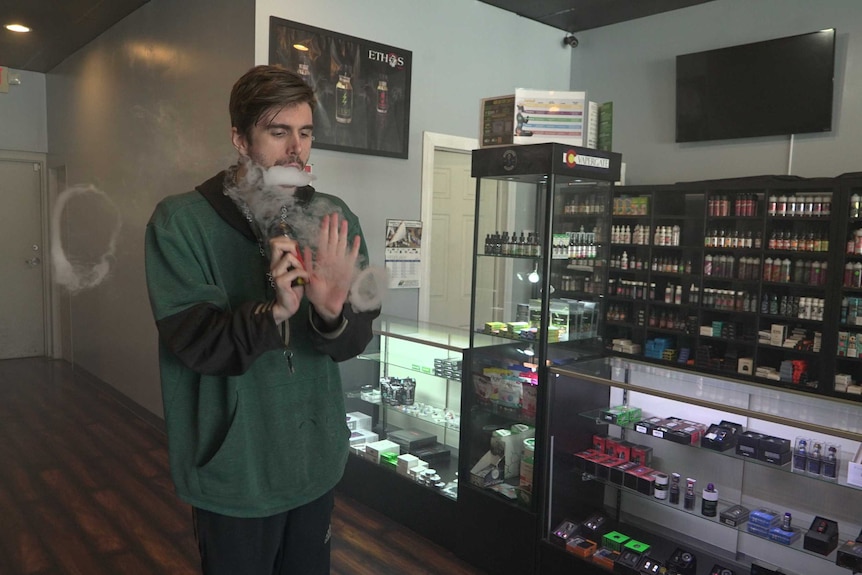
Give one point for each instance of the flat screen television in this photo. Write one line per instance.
(774, 87)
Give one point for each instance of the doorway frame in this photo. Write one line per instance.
(431, 143)
(41, 160)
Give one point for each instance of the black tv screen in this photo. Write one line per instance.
(781, 86)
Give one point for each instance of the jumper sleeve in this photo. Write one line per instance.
(194, 315)
(354, 333)
(211, 341)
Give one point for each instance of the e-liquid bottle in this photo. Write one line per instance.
(800, 456)
(661, 481)
(829, 467)
(785, 523)
(382, 94)
(674, 488)
(814, 460)
(709, 504)
(690, 498)
(344, 98)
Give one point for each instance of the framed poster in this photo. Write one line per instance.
(362, 87)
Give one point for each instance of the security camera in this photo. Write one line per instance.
(570, 41)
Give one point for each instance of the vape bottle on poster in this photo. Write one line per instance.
(382, 94)
(304, 69)
(344, 97)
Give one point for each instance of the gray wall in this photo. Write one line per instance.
(140, 113)
(23, 119)
(633, 64)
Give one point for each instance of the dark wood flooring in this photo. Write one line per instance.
(85, 489)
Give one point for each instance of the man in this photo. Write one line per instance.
(250, 328)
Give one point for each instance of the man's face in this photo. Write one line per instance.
(282, 139)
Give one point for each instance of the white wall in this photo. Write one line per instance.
(23, 117)
(463, 50)
(633, 64)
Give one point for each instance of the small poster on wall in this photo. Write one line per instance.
(362, 87)
(403, 253)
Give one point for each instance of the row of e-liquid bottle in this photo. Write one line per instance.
(642, 235)
(725, 266)
(512, 245)
(799, 241)
(741, 205)
(792, 306)
(795, 271)
(584, 205)
(851, 307)
(815, 457)
(723, 299)
(670, 489)
(581, 283)
(852, 275)
(733, 239)
(791, 205)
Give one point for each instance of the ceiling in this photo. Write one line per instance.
(61, 28)
(579, 15)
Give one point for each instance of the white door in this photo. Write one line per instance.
(451, 242)
(22, 315)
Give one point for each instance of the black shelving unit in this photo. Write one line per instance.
(751, 254)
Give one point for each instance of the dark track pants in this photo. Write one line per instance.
(292, 543)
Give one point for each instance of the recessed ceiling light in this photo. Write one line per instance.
(17, 28)
(301, 47)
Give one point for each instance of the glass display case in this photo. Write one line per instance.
(406, 414)
(539, 272)
(727, 473)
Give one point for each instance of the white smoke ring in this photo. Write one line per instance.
(73, 276)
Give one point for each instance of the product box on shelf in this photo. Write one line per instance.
(510, 443)
(614, 540)
(563, 532)
(614, 470)
(721, 436)
(411, 439)
(650, 566)
(685, 432)
(734, 516)
(621, 415)
(581, 547)
(850, 554)
(627, 562)
(375, 448)
(433, 453)
(641, 454)
(783, 536)
(822, 536)
(618, 472)
(646, 426)
(775, 450)
(605, 558)
(748, 444)
(487, 471)
(362, 436)
(641, 479)
(358, 420)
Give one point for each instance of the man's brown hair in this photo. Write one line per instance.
(264, 91)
